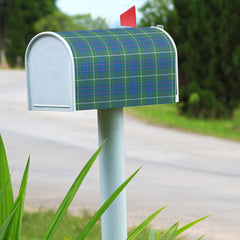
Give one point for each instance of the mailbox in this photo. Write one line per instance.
(99, 69)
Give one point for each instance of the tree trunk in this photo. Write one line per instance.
(3, 60)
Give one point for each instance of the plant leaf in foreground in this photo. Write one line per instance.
(70, 195)
(6, 227)
(103, 208)
(6, 204)
(2, 192)
(17, 220)
(170, 233)
(187, 226)
(153, 234)
(144, 224)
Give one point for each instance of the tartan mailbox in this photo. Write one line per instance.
(99, 69)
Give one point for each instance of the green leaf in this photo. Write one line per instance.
(184, 228)
(158, 235)
(144, 224)
(67, 238)
(6, 203)
(170, 233)
(2, 192)
(152, 234)
(17, 221)
(201, 237)
(6, 227)
(70, 195)
(103, 208)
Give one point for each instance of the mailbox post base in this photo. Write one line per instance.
(112, 172)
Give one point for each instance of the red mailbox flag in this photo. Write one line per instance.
(128, 18)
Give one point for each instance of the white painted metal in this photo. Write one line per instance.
(50, 73)
(112, 172)
(176, 59)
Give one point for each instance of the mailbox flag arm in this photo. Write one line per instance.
(128, 18)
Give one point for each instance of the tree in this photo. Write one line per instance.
(209, 53)
(2, 32)
(207, 36)
(86, 22)
(58, 21)
(20, 20)
(157, 12)
(18, 25)
(14, 30)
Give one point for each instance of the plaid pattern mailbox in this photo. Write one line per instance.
(101, 69)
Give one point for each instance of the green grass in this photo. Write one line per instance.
(167, 115)
(35, 225)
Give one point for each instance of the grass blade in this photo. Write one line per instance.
(5, 228)
(20, 201)
(153, 234)
(103, 208)
(70, 195)
(6, 204)
(184, 228)
(2, 192)
(201, 237)
(170, 233)
(144, 224)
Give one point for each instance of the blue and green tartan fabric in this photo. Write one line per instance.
(123, 67)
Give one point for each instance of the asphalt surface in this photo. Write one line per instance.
(195, 175)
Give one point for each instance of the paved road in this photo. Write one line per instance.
(195, 175)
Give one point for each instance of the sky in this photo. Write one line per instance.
(108, 9)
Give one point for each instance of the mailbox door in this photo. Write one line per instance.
(50, 74)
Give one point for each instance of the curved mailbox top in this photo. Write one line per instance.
(101, 69)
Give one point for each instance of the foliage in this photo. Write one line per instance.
(11, 213)
(206, 34)
(2, 29)
(86, 22)
(58, 21)
(157, 12)
(36, 223)
(20, 17)
(20, 20)
(209, 56)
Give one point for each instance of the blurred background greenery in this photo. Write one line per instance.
(206, 33)
(207, 36)
(20, 20)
